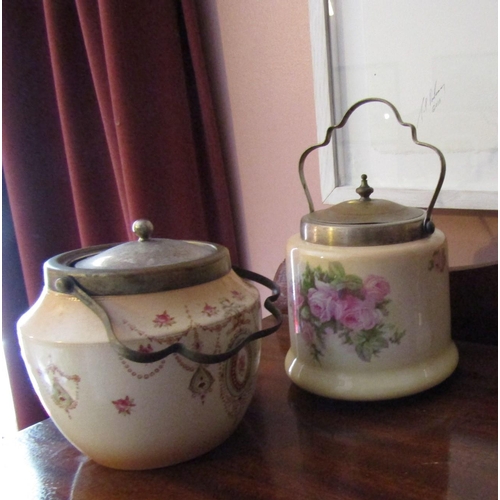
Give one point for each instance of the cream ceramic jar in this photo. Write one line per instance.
(145, 354)
(368, 290)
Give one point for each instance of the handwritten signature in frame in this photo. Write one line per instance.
(431, 101)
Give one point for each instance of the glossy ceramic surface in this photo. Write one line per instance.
(369, 322)
(130, 415)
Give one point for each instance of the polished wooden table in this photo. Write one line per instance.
(441, 444)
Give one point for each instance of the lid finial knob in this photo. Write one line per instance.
(142, 229)
(364, 190)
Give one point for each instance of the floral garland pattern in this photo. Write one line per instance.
(331, 302)
(234, 375)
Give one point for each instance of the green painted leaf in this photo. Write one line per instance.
(307, 279)
(353, 284)
(316, 353)
(336, 271)
(364, 352)
(305, 312)
(397, 336)
(346, 336)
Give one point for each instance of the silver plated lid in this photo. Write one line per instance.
(144, 266)
(363, 222)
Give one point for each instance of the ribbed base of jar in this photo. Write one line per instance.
(370, 386)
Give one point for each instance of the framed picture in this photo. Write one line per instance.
(437, 62)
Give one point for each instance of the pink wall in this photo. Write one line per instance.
(260, 61)
(261, 64)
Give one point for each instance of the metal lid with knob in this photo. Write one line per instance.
(363, 222)
(144, 266)
(367, 221)
(147, 252)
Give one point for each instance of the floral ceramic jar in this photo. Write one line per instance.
(369, 304)
(145, 354)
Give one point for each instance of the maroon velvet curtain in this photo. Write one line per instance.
(107, 118)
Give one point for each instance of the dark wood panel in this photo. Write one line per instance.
(474, 304)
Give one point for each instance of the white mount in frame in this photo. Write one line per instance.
(445, 87)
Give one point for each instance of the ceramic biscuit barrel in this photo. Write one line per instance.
(145, 354)
(368, 290)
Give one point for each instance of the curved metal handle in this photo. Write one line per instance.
(70, 286)
(428, 225)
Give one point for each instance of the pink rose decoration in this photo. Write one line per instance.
(323, 301)
(209, 310)
(124, 406)
(348, 306)
(359, 314)
(376, 288)
(163, 319)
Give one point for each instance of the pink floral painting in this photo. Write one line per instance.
(124, 406)
(237, 295)
(163, 319)
(331, 302)
(209, 310)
